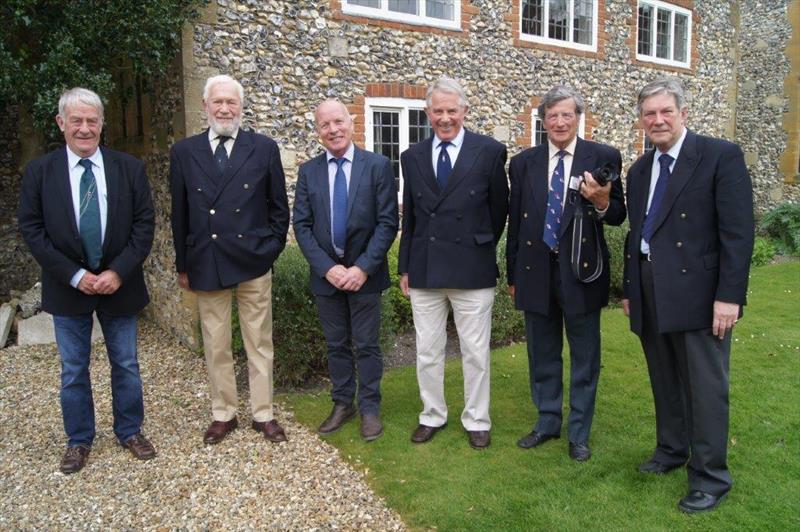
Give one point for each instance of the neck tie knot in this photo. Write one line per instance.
(340, 161)
(665, 160)
(86, 163)
(223, 139)
(561, 154)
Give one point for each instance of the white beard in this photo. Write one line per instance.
(224, 129)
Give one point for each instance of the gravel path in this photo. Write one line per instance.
(243, 483)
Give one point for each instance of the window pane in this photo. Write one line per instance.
(557, 25)
(386, 136)
(663, 44)
(681, 37)
(444, 9)
(365, 3)
(647, 144)
(404, 6)
(532, 16)
(582, 21)
(418, 127)
(645, 29)
(539, 133)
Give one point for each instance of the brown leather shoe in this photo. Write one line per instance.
(371, 427)
(341, 414)
(74, 459)
(479, 439)
(218, 430)
(140, 447)
(271, 430)
(424, 433)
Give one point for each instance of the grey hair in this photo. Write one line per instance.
(670, 85)
(78, 95)
(222, 78)
(450, 86)
(557, 94)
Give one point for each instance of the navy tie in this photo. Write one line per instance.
(443, 165)
(89, 216)
(221, 154)
(552, 220)
(339, 205)
(664, 161)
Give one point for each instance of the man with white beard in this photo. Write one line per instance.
(230, 216)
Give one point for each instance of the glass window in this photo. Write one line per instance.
(663, 33)
(569, 23)
(438, 13)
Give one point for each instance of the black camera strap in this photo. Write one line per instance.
(578, 235)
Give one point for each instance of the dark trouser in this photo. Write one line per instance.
(545, 343)
(689, 376)
(351, 323)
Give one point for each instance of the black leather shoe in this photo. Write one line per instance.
(479, 439)
(371, 427)
(341, 414)
(579, 452)
(424, 433)
(657, 468)
(698, 501)
(534, 439)
(74, 459)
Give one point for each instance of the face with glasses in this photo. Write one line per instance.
(561, 122)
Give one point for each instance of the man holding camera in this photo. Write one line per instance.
(557, 262)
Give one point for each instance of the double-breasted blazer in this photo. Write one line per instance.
(47, 222)
(371, 220)
(227, 228)
(703, 237)
(449, 236)
(528, 257)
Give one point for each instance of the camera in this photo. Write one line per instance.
(605, 174)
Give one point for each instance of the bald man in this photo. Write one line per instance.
(345, 220)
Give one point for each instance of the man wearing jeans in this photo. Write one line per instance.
(87, 216)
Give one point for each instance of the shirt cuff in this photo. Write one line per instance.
(77, 278)
(601, 214)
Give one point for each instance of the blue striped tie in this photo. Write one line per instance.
(89, 216)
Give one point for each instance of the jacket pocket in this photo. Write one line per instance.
(484, 238)
(711, 261)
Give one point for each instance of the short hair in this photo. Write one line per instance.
(222, 78)
(669, 85)
(448, 85)
(557, 94)
(78, 95)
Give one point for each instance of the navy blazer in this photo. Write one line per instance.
(703, 239)
(47, 222)
(528, 257)
(227, 228)
(371, 220)
(450, 236)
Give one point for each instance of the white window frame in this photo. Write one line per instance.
(544, 39)
(645, 140)
(673, 9)
(400, 105)
(384, 13)
(535, 117)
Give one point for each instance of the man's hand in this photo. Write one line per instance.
(511, 291)
(86, 284)
(725, 316)
(404, 284)
(107, 282)
(183, 280)
(626, 307)
(592, 191)
(353, 279)
(335, 275)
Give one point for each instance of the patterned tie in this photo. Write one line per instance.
(221, 154)
(339, 205)
(443, 166)
(552, 220)
(89, 216)
(665, 161)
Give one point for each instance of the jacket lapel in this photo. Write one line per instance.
(682, 172)
(319, 181)
(242, 149)
(60, 171)
(111, 169)
(356, 176)
(423, 156)
(537, 181)
(467, 155)
(201, 153)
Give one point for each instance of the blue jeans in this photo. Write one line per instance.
(73, 337)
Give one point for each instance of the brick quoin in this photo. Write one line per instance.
(467, 12)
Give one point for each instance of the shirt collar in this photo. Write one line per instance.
(348, 155)
(570, 149)
(675, 150)
(212, 136)
(456, 142)
(73, 158)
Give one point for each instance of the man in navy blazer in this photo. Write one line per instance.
(687, 262)
(230, 217)
(345, 220)
(87, 216)
(455, 202)
(550, 208)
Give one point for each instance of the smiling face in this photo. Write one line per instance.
(223, 108)
(446, 114)
(662, 121)
(81, 126)
(561, 122)
(334, 127)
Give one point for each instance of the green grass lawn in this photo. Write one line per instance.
(445, 484)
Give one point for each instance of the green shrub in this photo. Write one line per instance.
(508, 323)
(615, 240)
(783, 225)
(763, 251)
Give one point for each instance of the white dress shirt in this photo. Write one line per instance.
(75, 174)
(654, 171)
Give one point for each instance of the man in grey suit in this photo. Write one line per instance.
(345, 220)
